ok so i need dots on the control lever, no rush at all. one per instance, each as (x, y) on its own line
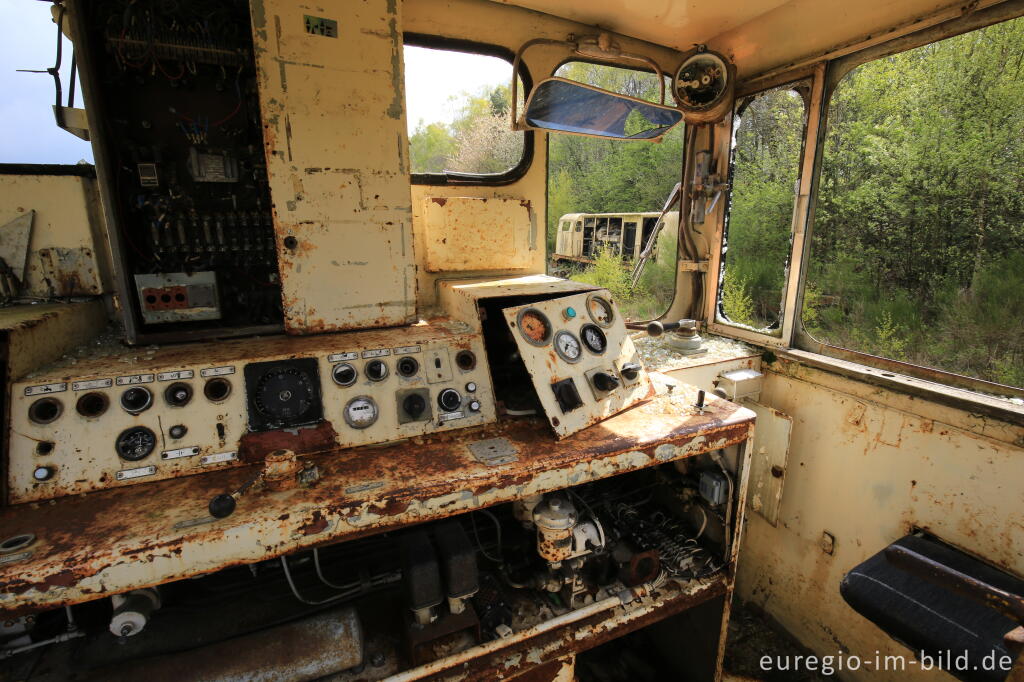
(223, 505)
(656, 329)
(630, 370)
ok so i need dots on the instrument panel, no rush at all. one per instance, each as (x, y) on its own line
(127, 419)
(581, 360)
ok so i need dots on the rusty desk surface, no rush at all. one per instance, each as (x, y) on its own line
(112, 541)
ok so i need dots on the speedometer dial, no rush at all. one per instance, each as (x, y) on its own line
(601, 311)
(535, 326)
(568, 346)
(284, 395)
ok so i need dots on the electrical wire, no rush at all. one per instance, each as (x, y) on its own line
(476, 535)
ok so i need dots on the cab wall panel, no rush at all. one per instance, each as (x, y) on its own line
(867, 466)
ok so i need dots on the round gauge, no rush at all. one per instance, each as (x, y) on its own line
(594, 339)
(568, 346)
(535, 326)
(344, 374)
(361, 412)
(284, 394)
(135, 443)
(601, 311)
(376, 370)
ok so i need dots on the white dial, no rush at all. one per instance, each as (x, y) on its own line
(361, 412)
(567, 346)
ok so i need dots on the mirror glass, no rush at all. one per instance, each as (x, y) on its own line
(568, 107)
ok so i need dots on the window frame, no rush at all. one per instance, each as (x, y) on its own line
(812, 80)
(513, 174)
(831, 74)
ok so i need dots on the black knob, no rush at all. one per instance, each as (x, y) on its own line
(631, 370)
(449, 400)
(408, 367)
(376, 370)
(344, 374)
(414, 405)
(222, 506)
(605, 381)
(700, 399)
(177, 431)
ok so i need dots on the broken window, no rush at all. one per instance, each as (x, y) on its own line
(767, 140)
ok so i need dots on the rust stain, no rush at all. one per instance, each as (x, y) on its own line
(317, 524)
(360, 492)
(440, 201)
(255, 446)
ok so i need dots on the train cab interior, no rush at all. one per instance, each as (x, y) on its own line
(301, 383)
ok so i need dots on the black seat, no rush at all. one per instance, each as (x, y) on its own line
(929, 618)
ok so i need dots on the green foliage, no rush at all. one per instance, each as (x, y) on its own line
(478, 140)
(918, 247)
(589, 175)
(736, 301)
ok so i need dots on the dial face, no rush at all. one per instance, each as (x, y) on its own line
(344, 374)
(601, 311)
(284, 395)
(135, 443)
(535, 326)
(593, 338)
(361, 412)
(568, 346)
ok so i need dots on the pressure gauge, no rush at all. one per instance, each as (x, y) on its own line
(568, 346)
(594, 339)
(135, 443)
(361, 412)
(601, 311)
(535, 326)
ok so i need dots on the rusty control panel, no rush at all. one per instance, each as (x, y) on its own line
(133, 417)
(581, 360)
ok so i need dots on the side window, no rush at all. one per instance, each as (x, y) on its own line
(607, 180)
(767, 141)
(459, 115)
(917, 252)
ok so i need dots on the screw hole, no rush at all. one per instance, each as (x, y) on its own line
(291, 243)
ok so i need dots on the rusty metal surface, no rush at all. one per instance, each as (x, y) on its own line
(82, 457)
(868, 466)
(477, 233)
(337, 150)
(66, 233)
(41, 334)
(307, 649)
(115, 540)
(521, 657)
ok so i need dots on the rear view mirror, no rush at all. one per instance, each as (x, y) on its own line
(566, 106)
